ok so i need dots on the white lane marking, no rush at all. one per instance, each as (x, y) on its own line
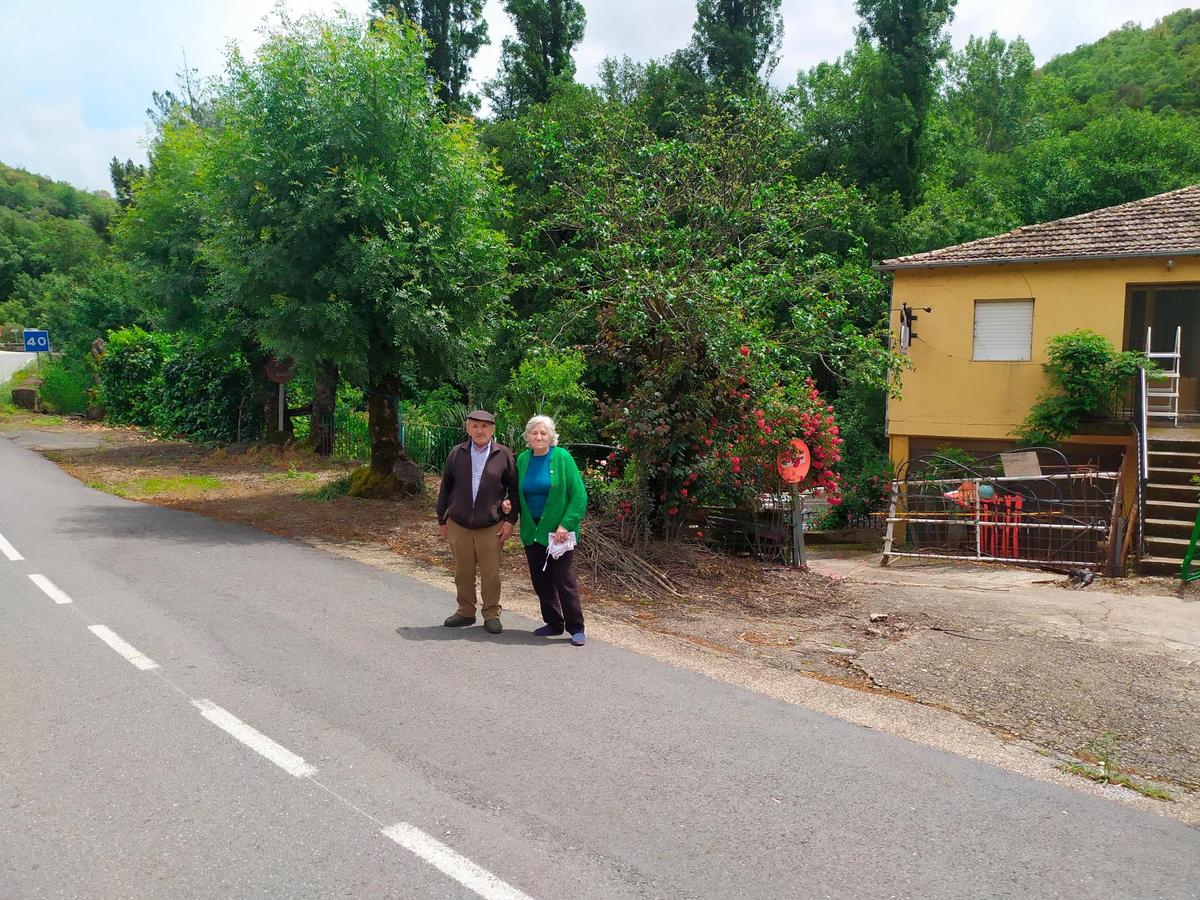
(9, 550)
(255, 740)
(128, 651)
(50, 589)
(452, 864)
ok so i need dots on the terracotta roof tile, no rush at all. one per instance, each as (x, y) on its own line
(1166, 224)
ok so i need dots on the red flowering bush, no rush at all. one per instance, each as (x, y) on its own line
(704, 435)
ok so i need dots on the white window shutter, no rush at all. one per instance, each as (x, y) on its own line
(1003, 330)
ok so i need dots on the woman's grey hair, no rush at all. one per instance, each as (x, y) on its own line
(548, 423)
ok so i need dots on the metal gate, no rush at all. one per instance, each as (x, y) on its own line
(1028, 507)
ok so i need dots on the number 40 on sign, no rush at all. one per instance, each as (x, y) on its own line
(37, 341)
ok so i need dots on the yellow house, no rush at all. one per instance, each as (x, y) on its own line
(985, 311)
(976, 360)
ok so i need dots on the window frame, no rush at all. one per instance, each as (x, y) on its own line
(975, 344)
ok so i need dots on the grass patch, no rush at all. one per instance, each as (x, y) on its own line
(13, 417)
(149, 487)
(1103, 752)
(339, 487)
(1101, 777)
(19, 378)
(115, 489)
(292, 474)
(155, 486)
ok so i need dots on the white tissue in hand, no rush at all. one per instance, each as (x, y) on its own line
(559, 546)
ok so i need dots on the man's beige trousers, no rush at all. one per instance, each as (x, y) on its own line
(476, 548)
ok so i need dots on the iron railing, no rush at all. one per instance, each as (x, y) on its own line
(943, 508)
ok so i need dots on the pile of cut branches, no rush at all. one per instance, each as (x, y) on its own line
(607, 558)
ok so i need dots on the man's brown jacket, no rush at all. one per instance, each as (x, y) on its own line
(499, 483)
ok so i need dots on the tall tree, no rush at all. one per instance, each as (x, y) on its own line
(455, 30)
(738, 39)
(547, 32)
(358, 223)
(124, 175)
(911, 39)
(987, 90)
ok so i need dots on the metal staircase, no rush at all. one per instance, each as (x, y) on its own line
(1171, 503)
(1162, 402)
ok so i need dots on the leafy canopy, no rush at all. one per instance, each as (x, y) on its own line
(348, 216)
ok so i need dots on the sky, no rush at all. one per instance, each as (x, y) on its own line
(75, 85)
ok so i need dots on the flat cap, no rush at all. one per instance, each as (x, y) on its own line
(481, 415)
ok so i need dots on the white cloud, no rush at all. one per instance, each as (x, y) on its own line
(52, 139)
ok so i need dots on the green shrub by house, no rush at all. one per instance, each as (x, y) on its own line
(1088, 378)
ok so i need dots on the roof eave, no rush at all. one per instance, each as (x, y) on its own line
(887, 265)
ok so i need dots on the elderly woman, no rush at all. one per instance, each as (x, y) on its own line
(553, 500)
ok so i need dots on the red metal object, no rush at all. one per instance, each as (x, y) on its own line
(794, 464)
(1000, 521)
(280, 371)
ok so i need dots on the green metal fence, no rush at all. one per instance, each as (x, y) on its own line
(429, 445)
(351, 437)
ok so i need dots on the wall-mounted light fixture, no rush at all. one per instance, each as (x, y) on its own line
(1170, 264)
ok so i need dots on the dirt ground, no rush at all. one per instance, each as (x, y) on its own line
(1073, 674)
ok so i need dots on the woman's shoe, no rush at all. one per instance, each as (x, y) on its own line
(547, 631)
(577, 639)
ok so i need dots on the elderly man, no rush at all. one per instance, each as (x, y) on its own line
(480, 475)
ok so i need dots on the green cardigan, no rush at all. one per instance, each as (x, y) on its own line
(565, 504)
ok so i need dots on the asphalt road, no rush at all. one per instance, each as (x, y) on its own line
(194, 709)
(11, 362)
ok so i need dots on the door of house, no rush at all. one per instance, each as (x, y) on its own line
(1164, 308)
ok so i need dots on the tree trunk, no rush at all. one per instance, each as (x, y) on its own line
(383, 425)
(325, 383)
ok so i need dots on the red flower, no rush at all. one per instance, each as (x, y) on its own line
(744, 350)
(683, 492)
(673, 511)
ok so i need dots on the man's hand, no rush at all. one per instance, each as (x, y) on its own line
(506, 530)
(506, 506)
(444, 532)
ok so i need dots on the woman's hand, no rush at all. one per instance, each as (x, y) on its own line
(506, 506)
(559, 535)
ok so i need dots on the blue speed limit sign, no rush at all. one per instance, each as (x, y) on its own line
(37, 341)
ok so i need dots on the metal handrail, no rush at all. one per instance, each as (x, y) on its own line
(1185, 573)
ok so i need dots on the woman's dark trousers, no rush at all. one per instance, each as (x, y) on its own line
(556, 588)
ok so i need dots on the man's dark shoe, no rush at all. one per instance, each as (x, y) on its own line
(492, 626)
(457, 621)
(548, 631)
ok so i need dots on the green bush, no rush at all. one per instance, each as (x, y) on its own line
(548, 383)
(442, 407)
(1088, 378)
(177, 387)
(65, 383)
(131, 374)
(207, 397)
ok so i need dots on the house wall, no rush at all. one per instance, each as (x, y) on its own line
(948, 395)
